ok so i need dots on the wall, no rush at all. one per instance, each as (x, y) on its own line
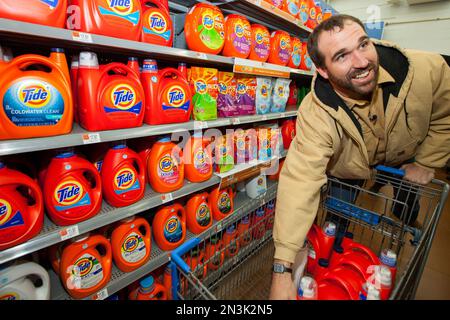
(402, 21)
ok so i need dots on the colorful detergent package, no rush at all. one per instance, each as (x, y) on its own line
(280, 95)
(226, 101)
(246, 94)
(204, 82)
(263, 95)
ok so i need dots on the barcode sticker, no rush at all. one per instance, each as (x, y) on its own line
(166, 197)
(219, 227)
(101, 295)
(198, 125)
(69, 232)
(202, 55)
(283, 115)
(264, 118)
(82, 37)
(91, 138)
(236, 121)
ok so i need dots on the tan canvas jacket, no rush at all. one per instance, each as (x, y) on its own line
(329, 140)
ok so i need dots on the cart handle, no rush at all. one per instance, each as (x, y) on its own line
(181, 250)
(395, 171)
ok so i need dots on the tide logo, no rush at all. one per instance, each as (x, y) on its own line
(124, 179)
(200, 157)
(157, 22)
(239, 30)
(82, 267)
(241, 88)
(123, 97)
(208, 22)
(34, 94)
(200, 86)
(222, 88)
(283, 43)
(68, 193)
(259, 37)
(312, 13)
(264, 91)
(203, 211)
(121, 7)
(9, 296)
(260, 182)
(296, 49)
(172, 225)
(5, 211)
(166, 164)
(176, 96)
(131, 243)
(280, 91)
(319, 17)
(224, 199)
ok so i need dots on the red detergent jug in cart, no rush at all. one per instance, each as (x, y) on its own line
(131, 244)
(72, 189)
(198, 213)
(109, 96)
(47, 12)
(25, 90)
(84, 268)
(389, 259)
(221, 202)
(123, 176)
(198, 166)
(288, 132)
(215, 255)
(355, 252)
(320, 244)
(169, 226)
(334, 287)
(157, 25)
(113, 18)
(167, 94)
(149, 289)
(20, 219)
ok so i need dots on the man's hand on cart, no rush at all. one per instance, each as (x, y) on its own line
(282, 287)
(417, 174)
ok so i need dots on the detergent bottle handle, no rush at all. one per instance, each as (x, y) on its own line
(43, 292)
(146, 226)
(354, 246)
(172, 71)
(180, 211)
(100, 240)
(344, 284)
(161, 4)
(159, 288)
(119, 68)
(98, 181)
(22, 270)
(37, 195)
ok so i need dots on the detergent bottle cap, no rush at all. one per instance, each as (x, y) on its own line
(75, 62)
(388, 258)
(324, 263)
(133, 59)
(147, 282)
(164, 139)
(119, 147)
(57, 50)
(330, 228)
(64, 155)
(308, 288)
(88, 59)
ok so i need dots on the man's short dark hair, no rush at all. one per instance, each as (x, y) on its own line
(336, 21)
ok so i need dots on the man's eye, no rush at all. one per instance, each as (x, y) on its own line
(364, 44)
(340, 57)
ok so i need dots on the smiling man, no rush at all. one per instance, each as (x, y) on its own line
(371, 103)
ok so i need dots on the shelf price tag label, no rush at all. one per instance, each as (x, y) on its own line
(82, 37)
(236, 121)
(283, 115)
(166, 197)
(264, 118)
(202, 55)
(219, 227)
(69, 232)
(101, 295)
(91, 138)
(198, 125)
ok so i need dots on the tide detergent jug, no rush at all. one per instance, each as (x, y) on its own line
(16, 284)
(334, 287)
(291, 7)
(280, 48)
(198, 213)
(205, 29)
(123, 176)
(157, 25)
(312, 17)
(306, 62)
(47, 12)
(288, 132)
(72, 189)
(74, 64)
(113, 18)
(165, 166)
(320, 244)
(197, 159)
(131, 244)
(169, 226)
(167, 94)
(303, 12)
(21, 213)
(260, 44)
(221, 202)
(86, 265)
(238, 37)
(35, 103)
(149, 289)
(296, 54)
(109, 96)
(215, 255)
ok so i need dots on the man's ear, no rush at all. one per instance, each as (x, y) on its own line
(323, 72)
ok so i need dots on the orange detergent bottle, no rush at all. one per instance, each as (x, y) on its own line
(259, 223)
(280, 48)
(167, 94)
(303, 13)
(221, 202)
(131, 244)
(296, 55)
(157, 25)
(238, 37)
(47, 12)
(196, 261)
(306, 62)
(215, 254)
(123, 176)
(291, 7)
(197, 159)
(260, 45)
(86, 265)
(148, 289)
(231, 242)
(198, 213)
(167, 281)
(245, 235)
(21, 208)
(312, 18)
(165, 167)
(72, 189)
(74, 85)
(36, 102)
(169, 226)
(205, 29)
(109, 96)
(113, 18)
(319, 14)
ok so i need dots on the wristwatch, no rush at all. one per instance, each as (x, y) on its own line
(281, 268)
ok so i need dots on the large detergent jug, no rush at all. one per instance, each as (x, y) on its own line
(47, 12)
(21, 213)
(205, 28)
(72, 189)
(16, 284)
(260, 44)
(215, 254)
(296, 54)
(197, 159)
(280, 48)
(35, 103)
(198, 213)
(303, 12)
(165, 166)
(123, 176)
(312, 18)
(306, 62)
(109, 96)
(156, 23)
(74, 64)
(167, 94)
(291, 7)
(320, 244)
(113, 18)
(335, 287)
(169, 226)
(84, 268)
(221, 202)
(288, 132)
(149, 289)
(238, 37)
(131, 244)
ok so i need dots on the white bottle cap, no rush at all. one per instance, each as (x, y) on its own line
(388, 257)
(308, 288)
(330, 228)
(88, 59)
(383, 276)
(373, 293)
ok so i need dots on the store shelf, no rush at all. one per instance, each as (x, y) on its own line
(258, 68)
(119, 279)
(79, 136)
(52, 234)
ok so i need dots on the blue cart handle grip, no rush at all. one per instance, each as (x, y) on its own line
(181, 250)
(398, 172)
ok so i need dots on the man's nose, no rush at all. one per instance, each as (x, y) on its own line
(359, 61)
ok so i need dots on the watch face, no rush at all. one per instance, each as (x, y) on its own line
(278, 268)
